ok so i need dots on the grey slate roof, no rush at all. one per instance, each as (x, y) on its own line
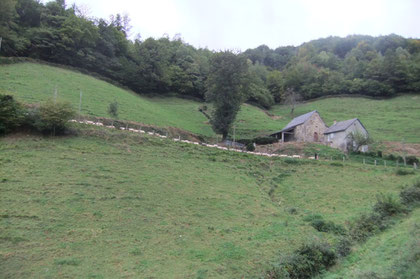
(298, 121)
(341, 126)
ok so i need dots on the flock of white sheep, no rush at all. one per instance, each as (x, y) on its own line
(188, 141)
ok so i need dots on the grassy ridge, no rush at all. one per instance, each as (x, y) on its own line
(142, 207)
(386, 120)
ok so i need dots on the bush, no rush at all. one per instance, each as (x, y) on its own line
(318, 222)
(379, 153)
(365, 226)
(404, 172)
(391, 157)
(411, 194)
(113, 109)
(53, 117)
(265, 140)
(250, 146)
(11, 114)
(307, 261)
(411, 160)
(387, 205)
(343, 247)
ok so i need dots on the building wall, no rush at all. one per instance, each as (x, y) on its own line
(341, 139)
(306, 131)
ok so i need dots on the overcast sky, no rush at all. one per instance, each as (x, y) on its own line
(243, 24)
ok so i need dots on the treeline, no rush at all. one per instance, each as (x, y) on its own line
(374, 66)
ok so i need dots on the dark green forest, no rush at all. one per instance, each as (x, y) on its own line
(375, 66)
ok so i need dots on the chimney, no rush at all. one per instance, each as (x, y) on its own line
(335, 122)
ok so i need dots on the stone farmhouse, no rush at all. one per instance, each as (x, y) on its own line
(308, 127)
(339, 134)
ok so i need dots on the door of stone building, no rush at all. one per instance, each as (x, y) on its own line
(315, 136)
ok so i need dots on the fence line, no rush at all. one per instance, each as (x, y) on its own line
(100, 124)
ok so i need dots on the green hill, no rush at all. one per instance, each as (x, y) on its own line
(393, 254)
(109, 204)
(32, 83)
(386, 120)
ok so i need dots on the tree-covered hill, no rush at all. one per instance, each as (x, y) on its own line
(376, 66)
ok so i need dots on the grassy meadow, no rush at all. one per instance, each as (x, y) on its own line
(395, 119)
(386, 120)
(111, 204)
(34, 83)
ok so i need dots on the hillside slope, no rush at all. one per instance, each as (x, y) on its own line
(136, 206)
(33, 83)
(392, 254)
(386, 120)
(395, 119)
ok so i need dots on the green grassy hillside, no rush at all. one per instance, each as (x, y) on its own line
(386, 120)
(394, 119)
(392, 254)
(110, 204)
(32, 83)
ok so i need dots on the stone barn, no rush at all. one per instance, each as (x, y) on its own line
(339, 134)
(308, 127)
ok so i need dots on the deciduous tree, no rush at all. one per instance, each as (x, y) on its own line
(226, 84)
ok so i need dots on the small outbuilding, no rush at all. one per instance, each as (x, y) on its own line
(308, 127)
(339, 134)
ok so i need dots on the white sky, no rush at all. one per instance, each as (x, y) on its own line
(243, 24)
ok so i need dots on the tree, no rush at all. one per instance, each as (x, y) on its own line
(11, 114)
(358, 139)
(225, 87)
(54, 117)
(113, 110)
(292, 99)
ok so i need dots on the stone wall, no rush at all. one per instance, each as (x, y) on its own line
(312, 130)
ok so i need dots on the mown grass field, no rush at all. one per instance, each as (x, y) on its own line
(34, 83)
(396, 119)
(109, 204)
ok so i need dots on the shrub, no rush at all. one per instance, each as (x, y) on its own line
(250, 146)
(245, 141)
(387, 205)
(113, 109)
(411, 160)
(411, 194)
(404, 172)
(328, 226)
(307, 261)
(265, 140)
(11, 114)
(379, 153)
(318, 222)
(365, 226)
(343, 247)
(391, 157)
(53, 117)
